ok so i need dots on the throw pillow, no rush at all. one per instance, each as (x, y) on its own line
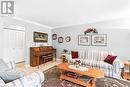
(10, 75)
(74, 54)
(110, 59)
(3, 65)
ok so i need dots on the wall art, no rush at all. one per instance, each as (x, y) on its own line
(84, 40)
(99, 40)
(40, 37)
(60, 39)
(54, 36)
(68, 39)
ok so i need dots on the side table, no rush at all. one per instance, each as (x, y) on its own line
(126, 70)
(64, 58)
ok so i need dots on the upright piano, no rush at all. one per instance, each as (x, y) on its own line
(36, 54)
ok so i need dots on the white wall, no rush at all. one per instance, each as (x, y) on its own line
(1, 38)
(30, 28)
(118, 34)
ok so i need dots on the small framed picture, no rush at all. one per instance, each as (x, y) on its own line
(99, 40)
(68, 39)
(84, 40)
(54, 36)
(60, 39)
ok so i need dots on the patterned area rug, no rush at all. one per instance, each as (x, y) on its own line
(52, 80)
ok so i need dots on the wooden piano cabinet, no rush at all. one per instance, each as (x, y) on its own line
(36, 54)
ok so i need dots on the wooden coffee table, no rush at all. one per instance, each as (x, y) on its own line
(92, 73)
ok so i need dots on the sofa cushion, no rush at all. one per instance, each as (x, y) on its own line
(74, 54)
(98, 64)
(3, 65)
(105, 65)
(110, 59)
(82, 54)
(10, 75)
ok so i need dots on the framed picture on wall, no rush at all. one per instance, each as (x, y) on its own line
(68, 39)
(99, 40)
(60, 39)
(40, 37)
(54, 36)
(84, 40)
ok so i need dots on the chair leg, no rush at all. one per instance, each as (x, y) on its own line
(44, 62)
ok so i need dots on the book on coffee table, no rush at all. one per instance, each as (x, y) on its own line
(71, 74)
(86, 78)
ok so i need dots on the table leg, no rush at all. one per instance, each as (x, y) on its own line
(61, 73)
(93, 82)
(129, 70)
(122, 72)
(55, 56)
(38, 62)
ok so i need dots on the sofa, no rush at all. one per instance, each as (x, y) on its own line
(33, 80)
(95, 59)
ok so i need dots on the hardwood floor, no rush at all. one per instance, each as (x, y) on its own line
(126, 76)
(28, 70)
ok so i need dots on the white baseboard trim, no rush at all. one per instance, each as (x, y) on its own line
(22, 61)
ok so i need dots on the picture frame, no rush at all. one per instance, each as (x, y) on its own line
(99, 40)
(60, 39)
(54, 36)
(68, 39)
(84, 40)
(40, 37)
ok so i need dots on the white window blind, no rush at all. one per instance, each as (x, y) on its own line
(14, 44)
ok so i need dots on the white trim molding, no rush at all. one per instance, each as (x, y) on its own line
(32, 22)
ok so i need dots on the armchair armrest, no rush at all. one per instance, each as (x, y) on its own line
(33, 80)
(118, 65)
(21, 82)
(40, 76)
(11, 64)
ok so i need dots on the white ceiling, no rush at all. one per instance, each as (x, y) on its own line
(57, 13)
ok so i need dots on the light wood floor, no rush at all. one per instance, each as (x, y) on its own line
(126, 75)
(43, 67)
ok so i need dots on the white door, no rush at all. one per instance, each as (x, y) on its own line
(14, 45)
